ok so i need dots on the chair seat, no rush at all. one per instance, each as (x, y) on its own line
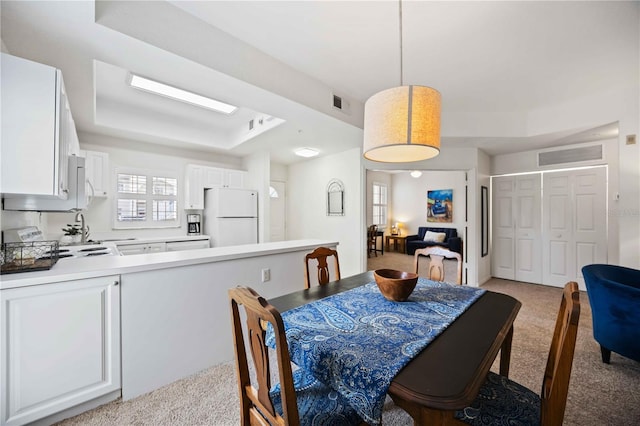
(318, 404)
(502, 402)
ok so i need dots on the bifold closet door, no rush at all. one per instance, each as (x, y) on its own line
(517, 240)
(574, 223)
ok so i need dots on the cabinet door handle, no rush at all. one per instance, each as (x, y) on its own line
(116, 282)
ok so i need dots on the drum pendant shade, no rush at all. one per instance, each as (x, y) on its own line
(402, 125)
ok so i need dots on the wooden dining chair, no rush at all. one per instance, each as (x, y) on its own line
(504, 402)
(372, 240)
(298, 399)
(436, 263)
(321, 254)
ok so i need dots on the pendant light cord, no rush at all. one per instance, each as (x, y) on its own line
(401, 65)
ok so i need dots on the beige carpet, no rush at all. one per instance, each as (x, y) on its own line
(599, 394)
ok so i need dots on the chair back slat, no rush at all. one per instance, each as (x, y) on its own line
(255, 405)
(321, 254)
(436, 264)
(555, 385)
(372, 240)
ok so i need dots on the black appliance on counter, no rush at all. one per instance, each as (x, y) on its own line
(193, 224)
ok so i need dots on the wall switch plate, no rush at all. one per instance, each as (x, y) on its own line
(631, 139)
(266, 275)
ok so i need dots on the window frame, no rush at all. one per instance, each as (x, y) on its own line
(384, 206)
(148, 197)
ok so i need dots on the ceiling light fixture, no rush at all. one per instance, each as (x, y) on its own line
(306, 152)
(162, 89)
(402, 124)
(416, 174)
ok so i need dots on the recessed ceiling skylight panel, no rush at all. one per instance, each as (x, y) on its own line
(181, 95)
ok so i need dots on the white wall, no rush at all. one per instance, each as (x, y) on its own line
(483, 173)
(126, 153)
(307, 206)
(279, 172)
(409, 199)
(450, 158)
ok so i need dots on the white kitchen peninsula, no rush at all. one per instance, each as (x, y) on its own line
(175, 318)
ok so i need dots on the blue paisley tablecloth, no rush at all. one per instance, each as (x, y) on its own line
(357, 341)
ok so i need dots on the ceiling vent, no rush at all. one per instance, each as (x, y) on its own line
(573, 155)
(340, 104)
(337, 102)
(250, 125)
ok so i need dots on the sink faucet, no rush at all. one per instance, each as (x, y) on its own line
(83, 230)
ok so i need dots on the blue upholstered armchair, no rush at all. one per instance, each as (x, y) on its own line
(614, 295)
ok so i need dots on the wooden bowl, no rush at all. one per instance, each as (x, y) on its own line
(395, 285)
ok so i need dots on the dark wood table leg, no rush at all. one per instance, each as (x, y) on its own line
(505, 353)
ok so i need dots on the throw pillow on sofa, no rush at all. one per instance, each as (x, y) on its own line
(435, 237)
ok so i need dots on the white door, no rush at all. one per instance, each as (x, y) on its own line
(528, 238)
(502, 258)
(575, 223)
(516, 238)
(278, 211)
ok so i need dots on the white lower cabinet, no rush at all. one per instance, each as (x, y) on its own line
(144, 248)
(60, 347)
(187, 245)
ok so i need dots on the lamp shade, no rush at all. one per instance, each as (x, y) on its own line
(402, 125)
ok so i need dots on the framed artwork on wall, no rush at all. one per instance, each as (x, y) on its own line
(440, 206)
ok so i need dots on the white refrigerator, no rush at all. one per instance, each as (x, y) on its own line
(231, 216)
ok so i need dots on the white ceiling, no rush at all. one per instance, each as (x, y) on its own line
(500, 58)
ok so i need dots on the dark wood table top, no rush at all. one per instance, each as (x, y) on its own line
(448, 373)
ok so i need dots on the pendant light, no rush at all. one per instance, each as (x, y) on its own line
(402, 124)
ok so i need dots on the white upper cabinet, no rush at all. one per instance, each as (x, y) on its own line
(201, 177)
(234, 179)
(38, 131)
(97, 169)
(194, 187)
(213, 177)
(223, 178)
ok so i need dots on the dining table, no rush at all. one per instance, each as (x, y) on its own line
(445, 375)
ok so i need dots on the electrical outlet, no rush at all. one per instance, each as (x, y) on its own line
(266, 275)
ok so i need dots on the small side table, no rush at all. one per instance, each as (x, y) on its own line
(399, 243)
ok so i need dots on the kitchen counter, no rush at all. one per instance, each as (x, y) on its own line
(153, 319)
(113, 265)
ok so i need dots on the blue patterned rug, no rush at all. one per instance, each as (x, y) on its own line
(357, 341)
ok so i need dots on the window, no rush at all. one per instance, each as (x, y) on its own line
(379, 204)
(146, 199)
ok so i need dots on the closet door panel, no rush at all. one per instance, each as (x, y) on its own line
(574, 223)
(528, 267)
(503, 231)
(590, 234)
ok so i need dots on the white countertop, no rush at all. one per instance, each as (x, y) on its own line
(89, 267)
